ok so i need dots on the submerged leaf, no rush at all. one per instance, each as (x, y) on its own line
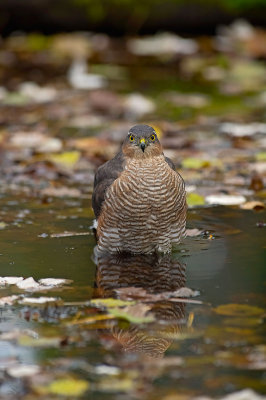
(238, 310)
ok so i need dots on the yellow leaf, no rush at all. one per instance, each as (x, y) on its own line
(67, 387)
(67, 159)
(197, 163)
(261, 156)
(110, 303)
(238, 310)
(195, 199)
(90, 320)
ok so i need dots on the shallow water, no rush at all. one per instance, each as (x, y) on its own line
(189, 348)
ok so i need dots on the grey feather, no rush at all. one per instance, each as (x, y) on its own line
(104, 177)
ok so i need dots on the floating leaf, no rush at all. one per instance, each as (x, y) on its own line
(111, 303)
(225, 199)
(40, 300)
(135, 314)
(195, 199)
(10, 280)
(66, 387)
(68, 234)
(90, 320)
(54, 281)
(29, 341)
(23, 371)
(238, 310)
(193, 232)
(8, 300)
(253, 205)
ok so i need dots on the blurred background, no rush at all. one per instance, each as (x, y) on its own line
(123, 17)
(75, 75)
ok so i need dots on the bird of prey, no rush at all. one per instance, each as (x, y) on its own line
(139, 199)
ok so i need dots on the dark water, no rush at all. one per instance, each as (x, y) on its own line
(188, 349)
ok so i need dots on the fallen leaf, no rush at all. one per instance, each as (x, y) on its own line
(8, 300)
(110, 303)
(10, 280)
(137, 314)
(238, 310)
(90, 320)
(62, 191)
(23, 371)
(136, 105)
(68, 234)
(253, 205)
(195, 199)
(225, 199)
(193, 232)
(65, 387)
(67, 159)
(3, 225)
(38, 300)
(262, 155)
(28, 284)
(116, 384)
(195, 163)
(54, 281)
(36, 341)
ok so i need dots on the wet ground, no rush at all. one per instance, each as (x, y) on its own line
(172, 327)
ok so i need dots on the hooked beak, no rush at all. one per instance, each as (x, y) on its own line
(142, 144)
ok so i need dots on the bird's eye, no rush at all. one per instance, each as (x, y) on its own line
(152, 138)
(131, 138)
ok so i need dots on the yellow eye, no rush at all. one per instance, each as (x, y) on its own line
(131, 138)
(152, 138)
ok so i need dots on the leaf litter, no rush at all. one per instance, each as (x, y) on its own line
(53, 138)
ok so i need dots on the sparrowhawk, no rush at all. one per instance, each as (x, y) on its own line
(139, 199)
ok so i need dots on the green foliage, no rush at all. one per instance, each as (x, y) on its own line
(98, 10)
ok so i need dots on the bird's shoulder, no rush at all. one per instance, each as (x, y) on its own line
(104, 178)
(170, 162)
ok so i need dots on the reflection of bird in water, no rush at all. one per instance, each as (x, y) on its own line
(139, 199)
(155, 275)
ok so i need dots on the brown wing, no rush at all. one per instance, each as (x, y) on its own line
(104, 177)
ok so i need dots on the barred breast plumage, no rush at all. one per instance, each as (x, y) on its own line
(144, 209)
(139, 198)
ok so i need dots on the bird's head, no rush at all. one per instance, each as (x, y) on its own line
(141, 142)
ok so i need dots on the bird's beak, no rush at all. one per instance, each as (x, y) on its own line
(142, 144)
